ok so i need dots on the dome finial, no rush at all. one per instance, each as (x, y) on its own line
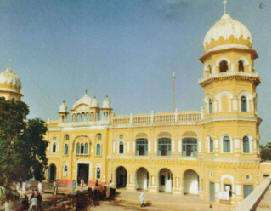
(225, 4)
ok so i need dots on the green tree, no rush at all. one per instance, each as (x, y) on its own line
(22, 148)
(265, 151)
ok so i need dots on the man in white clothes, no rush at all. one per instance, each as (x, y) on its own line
(141, 199)
(40, 187)
(34, 204)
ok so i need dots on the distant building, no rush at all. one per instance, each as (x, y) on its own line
(205, 152)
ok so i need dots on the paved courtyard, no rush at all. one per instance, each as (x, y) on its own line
(128, 200)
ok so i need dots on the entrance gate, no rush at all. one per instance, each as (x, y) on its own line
(82, 173)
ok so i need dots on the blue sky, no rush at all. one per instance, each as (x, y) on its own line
(124, 49)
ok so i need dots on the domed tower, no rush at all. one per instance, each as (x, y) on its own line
(229, 82)
(94, 107)
(10, 85)
(63, 111)
(106, 109)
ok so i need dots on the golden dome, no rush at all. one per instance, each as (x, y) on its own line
(8, 77)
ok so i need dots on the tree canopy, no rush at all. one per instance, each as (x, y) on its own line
(265, 151)
(22, 148)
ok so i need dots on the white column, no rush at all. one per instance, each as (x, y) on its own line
(180, 146)
(128, 145)
(199, 146)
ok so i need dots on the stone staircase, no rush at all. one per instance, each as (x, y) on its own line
(265, 203)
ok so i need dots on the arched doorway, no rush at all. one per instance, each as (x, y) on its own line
(191, 182)
(142, 179)
(121, 177)
(165, 180)
(52, 172)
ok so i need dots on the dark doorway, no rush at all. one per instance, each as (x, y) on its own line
(121, 177)
(52, 172)
(82, 173)
(212, 191)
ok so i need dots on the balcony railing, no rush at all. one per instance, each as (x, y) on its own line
(158, 119)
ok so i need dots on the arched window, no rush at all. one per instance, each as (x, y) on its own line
(141, 147)
(65, 170)
(98, 173)
(54, 147)
(211, 145)
(226, 144)
(223, 66)
(210, 106)
(241, 66)
(190, 147)
(246, 148)
(82, 149)
(164, 147)
(121, 147)
(77, 148)
(243, 104)
(86, 149)
(99, 136)
(66, 148)
(98, 150)
(67, 137)
(83, 116)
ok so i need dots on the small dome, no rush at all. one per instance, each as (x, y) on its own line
(94, 102)
(63, 107)
(106, 103)
(8, 77)
(83, 100)
(227, 31)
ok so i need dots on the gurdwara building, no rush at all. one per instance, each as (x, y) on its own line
(203, 152)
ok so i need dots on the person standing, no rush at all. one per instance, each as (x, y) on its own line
(141, 199)
(33, 202)
(82, 182)
(39, 200)
(40, 186)
(73, 186)
(55, 187)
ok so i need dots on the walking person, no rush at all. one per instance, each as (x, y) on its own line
(141, 199)
(33, 202)
(55, 187)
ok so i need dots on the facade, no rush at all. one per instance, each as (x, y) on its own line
(195, 152)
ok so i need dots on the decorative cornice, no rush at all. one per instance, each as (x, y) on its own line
(243, 76)
(235, 118)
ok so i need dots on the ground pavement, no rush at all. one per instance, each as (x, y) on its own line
(128, 201)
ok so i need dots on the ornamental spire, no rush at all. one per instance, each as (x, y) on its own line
(225, 5)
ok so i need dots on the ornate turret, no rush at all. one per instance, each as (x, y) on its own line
(106, 108)
(229, 69)
(10, 85)
(229, 82)
(63, 111)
